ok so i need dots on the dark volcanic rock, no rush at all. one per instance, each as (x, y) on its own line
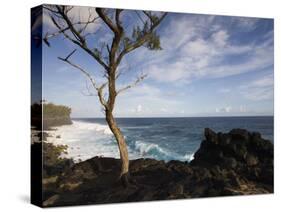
(234, 163)
(251, 160)
(239, 145)
(248, 154)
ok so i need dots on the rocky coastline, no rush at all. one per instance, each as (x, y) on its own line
(226, 164)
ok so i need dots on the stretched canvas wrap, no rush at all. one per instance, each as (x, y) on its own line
(132, 105)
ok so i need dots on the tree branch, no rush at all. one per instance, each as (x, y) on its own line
(135, 83)
(70, 25)
(117, 19)
(79, 39)
(99, 89)
(88, 90)
(118, 32)
(139, 17)
(106, 20)
(142, 40)
(86, 23)
(114, 49)
(100, 95)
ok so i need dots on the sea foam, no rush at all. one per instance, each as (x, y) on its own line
(86, 140)
(151, 150)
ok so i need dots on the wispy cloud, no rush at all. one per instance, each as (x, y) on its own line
(209, 65)
(259, 89)
(207, 54)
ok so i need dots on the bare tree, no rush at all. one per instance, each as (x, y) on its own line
(109, 55)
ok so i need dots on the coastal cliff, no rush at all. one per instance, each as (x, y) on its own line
(46, 115)
(226, 164)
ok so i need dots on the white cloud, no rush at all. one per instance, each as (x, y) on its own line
(242, 109)
(196, 48)
(226, 109)
(220, 38)
(173, 72)
(263, 82)
(142, 90)
(195, 55)
(148, 100)
(139, 109)
(245, 24)
(258, 94)
(259, 89)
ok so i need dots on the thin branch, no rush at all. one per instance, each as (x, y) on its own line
(79, 39)
(118, 32)
(87, 94)
(63, 31)
(70, 25)
(121, 70)
(66, 60)
(139, 42)
(48, 36)
(99, 89)
(88, 90)
(135, 83)
(108, 49)
(71, 53)
(86, 23)
(139, 17)
(51, 10)
(68, 9)
(101, 96)
(148, 14)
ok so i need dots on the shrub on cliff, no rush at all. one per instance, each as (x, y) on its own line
(52, 115)
(53, 160)
(51, 110)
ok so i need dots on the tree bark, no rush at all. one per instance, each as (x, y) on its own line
(124, 172)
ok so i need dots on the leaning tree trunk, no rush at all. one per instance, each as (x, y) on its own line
(124, 172)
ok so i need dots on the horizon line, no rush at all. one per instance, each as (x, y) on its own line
(230, 116)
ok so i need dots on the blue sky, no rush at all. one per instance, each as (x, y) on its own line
(209, 66)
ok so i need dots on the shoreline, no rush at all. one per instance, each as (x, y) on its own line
(226, 164)
(139, 148)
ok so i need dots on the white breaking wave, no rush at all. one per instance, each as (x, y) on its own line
(92, 126)
(86, 140)
(147, 148)
(151, 150)
(188, 157)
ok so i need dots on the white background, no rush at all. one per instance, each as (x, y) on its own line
(15, 103)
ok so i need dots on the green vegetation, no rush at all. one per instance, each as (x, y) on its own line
(52, 115)
(53, 159)
(52, 154)
(51, 110)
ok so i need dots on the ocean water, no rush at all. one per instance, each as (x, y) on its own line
(159, 138)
